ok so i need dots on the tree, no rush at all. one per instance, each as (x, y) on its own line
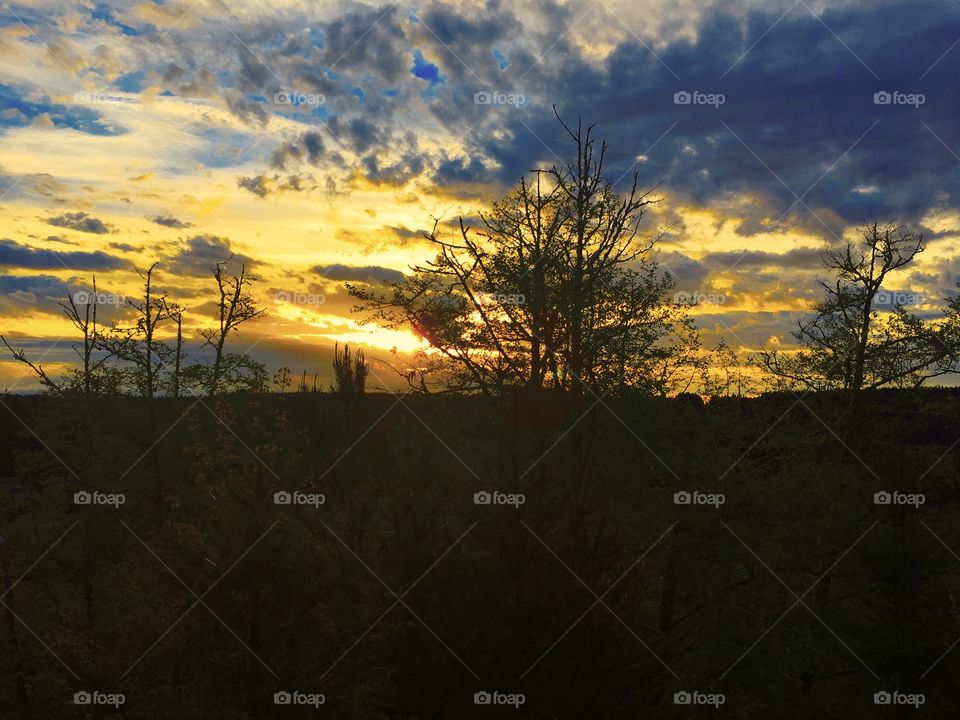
(94, 375)
(138, 344)
(552, 289)
(847, 344)
(234, 308)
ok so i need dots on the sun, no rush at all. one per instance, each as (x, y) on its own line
(383, 338)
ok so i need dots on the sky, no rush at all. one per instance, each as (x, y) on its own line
(315, 142)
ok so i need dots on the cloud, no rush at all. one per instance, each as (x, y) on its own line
(263, 185)
(199, 255)
(371, 274)
(13, 254)
(80, 221)
(308, 147)
(169, 221)
(798, 258)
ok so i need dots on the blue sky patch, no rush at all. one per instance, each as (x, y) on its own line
(426, 70)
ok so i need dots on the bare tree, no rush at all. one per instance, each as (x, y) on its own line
(93, 374)
(234, 307)
(847, 344)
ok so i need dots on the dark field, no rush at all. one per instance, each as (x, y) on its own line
(583, 590)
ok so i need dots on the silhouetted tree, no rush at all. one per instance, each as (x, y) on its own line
(553, 289)
(234, 307)
(847, 344)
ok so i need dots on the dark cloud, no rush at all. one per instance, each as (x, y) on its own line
(368, 274)
(799, 258)
(80, 221)
(13, 254)
(199, 255)
(25, 293)
(263, 185)
(308, 148)
(799, 118)
(167, 220)
(247, 109)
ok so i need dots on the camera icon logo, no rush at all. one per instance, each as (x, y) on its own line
(282, 698)
(282, 498)
(482, 698)
(882, 698)
(82, 297)
(282, 98)
(882, 98)
(82, 498)
(682, 698)
(882, 498)
(482, 498)
(682, 98)
(482, 98)
(682, 498)
(82, 698)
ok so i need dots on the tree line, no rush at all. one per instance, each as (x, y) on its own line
(555, 288)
